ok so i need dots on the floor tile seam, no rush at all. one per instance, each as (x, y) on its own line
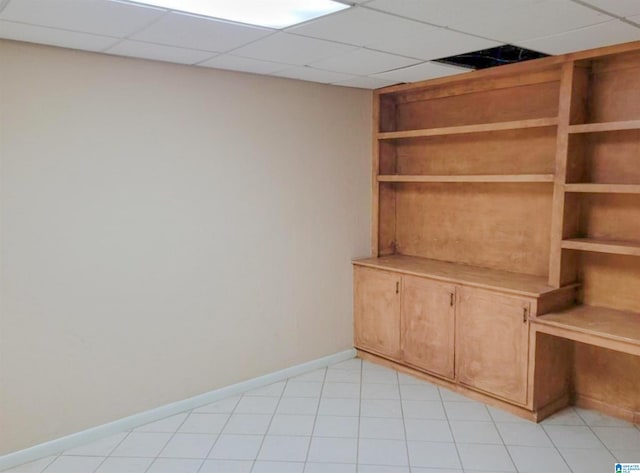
(359, 416)
(495, 426)
(446, 415)
(222, 429)
(170, 439)
(557, 449)
(315, 420)
(404, 424)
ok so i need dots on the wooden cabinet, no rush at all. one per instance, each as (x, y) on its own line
(377, 311)
(492, 343)
(428, 323)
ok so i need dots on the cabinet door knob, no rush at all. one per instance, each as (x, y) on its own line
(397, 287)
(451, 299)
(525, 312)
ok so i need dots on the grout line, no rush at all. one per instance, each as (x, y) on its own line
(594, 433)
(359, 417)
(3, 5)
(315, 419)
(495, 426)
(446, 415)
(128, 432)
(404, 424)
(55, 457)
(170, 439)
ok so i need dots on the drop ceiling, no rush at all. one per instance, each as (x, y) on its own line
(373, 44)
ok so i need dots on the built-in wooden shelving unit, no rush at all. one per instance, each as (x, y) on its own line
(603, 188)
(607, 126)
(602, 246)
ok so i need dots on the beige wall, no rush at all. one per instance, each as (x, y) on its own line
(165, 231)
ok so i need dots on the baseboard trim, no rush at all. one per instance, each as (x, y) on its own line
(61, 444)
(623, 413)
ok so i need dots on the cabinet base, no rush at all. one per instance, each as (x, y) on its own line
(587, 402)
(534, 416)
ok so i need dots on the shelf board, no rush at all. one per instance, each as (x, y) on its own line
(468, 178)
(606, 126)
(602, 246)
(608, 328)
(480, 128)
(485, 278)
(604, 188)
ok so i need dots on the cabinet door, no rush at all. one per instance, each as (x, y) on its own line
(492, 343)
(428, 323)
(377, 311)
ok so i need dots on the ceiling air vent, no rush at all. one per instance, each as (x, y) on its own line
(498, 56)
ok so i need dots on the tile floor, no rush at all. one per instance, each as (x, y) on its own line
(355, 417)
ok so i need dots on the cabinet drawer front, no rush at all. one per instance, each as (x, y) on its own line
(377, 311)
(492, 341)
(428, 325)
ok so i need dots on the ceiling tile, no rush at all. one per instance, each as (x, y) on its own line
(435, 43)
(101, 17)
(363, 62)
(617, 7)
(54, 37)
(424, 71)
(243, 64)
(448, 12)
(158, 52)
(314, 75)
(187, 31)
(534, 21)
(366, 83)
(603, 34)
(357, 26)
(292, 49)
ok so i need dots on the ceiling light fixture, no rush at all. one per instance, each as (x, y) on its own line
(268, 13)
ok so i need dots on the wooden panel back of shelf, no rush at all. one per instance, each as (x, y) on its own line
(479, 128)
(602, 246)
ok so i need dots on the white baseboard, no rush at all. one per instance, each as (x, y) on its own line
(61, 444)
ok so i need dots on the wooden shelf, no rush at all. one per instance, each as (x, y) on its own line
(504, 281)
(602, 246)
(604, 188)
(469, 178)
(480, 128)
(608, 328)
(607, 126)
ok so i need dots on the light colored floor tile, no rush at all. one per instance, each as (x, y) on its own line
(433, 455)
(625, 438)
(567, 416)
(189, 446)
(423, 410)
(381, 428)
(380, 377)
(250, 424)
(419, 392)
(475, 432)
(272, 390)
(380, 391)
(226, 466)
(256, 405)
(380, 408)
(330, 468)
(523, 434)
(343, 376)
(437, 470)
(284, 448)
(100, 448)
(538, 460)
(74, 465)
(339, 407)
(382, 452)
(224, 406)
(302, 389)
(168, 425)
(292, 425)
(125, 465)
(588, 460)
(597, 419)
(382, 469)
(316, 375)
(354, 364)
(336, 426)
(485, 457)
(200, 423)
(626, 456)
(32, 467)
(298, 405)
(278, 467)
(142, 444)
(333, 450)
(572, 436)
(408, 379)
(175, 465)
(448, 395)
(236, 447)
(428, 430)
(498, 415)
(341, 390)
(466, 411)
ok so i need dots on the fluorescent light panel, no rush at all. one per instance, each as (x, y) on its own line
(268, 13)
